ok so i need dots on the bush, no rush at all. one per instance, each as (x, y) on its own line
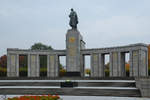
(62, 72)
(149, 71)
(107, 72)
(3, 72)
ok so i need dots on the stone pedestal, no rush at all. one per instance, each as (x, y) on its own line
(74, 44)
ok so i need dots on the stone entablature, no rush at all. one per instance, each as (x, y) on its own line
(40, 52)
(107, 50)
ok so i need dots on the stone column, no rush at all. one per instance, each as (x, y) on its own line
(131, 64)
(114, 64)
(52, 66)
(17, 65)
(135, 63)
(48, 65)
(29, 65)
(13, 65)
(143, 63)
(121, 64)
(101, 65)
(82, 66)
(57, 65)
(117, 64)
(8, 65)
(111, 64)
(34, 65)
(138, 63)
(94, 65)
(38, 65)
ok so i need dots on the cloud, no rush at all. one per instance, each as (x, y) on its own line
(112, 30)
(101, 22)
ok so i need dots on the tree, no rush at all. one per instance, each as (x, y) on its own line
(40, 46)
(3, 61)
(62, 70)
(3, 65)
(149, 55)
(88, 71)
(149, 58)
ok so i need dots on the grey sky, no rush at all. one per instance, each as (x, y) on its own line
(102, 23)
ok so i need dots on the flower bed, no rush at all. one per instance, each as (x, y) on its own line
(41, 97)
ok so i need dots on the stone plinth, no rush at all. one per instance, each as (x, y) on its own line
(74, 44)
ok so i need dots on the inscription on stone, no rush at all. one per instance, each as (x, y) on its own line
(115, 55)
(13, 62)
(95, 57)
(13, 59)
(52, 60)
(72, 51)
(135, 53)
(33, 58)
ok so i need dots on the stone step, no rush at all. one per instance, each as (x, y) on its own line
(92, 83)
(66, 78)
(109, 84)
(78, 91)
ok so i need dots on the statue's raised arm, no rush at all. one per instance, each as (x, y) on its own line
(73, 19)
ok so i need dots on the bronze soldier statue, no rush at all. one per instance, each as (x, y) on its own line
(73, 19)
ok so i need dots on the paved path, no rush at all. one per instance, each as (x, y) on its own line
(100, 98)
(90, 98)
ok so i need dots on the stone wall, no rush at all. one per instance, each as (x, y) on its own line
(143, 83)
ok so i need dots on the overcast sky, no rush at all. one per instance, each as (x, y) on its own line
(103, 23)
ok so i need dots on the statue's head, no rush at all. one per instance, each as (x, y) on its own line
(71, 9)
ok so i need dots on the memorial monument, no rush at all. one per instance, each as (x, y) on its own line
(75, 54)
(74, 44)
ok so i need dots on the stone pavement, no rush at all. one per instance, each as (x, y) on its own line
(88, 98)
(100, 98)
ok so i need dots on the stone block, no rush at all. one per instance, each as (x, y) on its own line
(143, 83)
